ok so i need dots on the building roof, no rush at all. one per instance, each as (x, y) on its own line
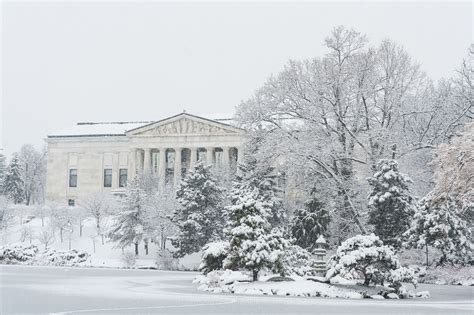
(119, 128)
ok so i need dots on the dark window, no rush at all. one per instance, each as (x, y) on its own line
(73, 177)
(122, 177)
(71, 203)
(108, 177)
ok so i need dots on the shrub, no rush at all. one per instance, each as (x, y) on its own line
(213, 256)
(17, 253)
(295, 261)
(129, 259)
(365, 256)
(166, 261)
(65, 258)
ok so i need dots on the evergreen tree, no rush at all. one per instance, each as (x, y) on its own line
(390, 203)
(3, 170)
(199, 217)
(130, 226)
(262, 176)
(439, 222)
(309, 223)
(253, 244)
(13, 183)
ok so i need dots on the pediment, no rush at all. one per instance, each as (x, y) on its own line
(184, 124)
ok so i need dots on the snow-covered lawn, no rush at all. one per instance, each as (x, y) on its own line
(237, 282)
(100, 255)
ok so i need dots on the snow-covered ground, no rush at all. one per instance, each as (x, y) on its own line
(104, 255)
(59, 290)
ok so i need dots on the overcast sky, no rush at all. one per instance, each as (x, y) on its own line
(85, 61)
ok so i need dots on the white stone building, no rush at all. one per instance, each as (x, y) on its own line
(101, 157)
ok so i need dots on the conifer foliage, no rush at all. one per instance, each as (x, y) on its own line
(199, 217)
(253, 244)
(130, 226)
(309, 223)
(390, 203)
(3, 170)
(13, 182)
(439, 222)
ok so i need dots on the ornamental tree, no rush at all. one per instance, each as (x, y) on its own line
(13, 186)
(366, 257)
(390, 202)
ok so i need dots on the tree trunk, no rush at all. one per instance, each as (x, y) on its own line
(80, 230)
(136, 249)
(61, 235)
(426, 253)
(146, 247)
(254, 274)
(102, 236)
(42, 221)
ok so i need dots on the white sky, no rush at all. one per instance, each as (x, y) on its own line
(85, 61)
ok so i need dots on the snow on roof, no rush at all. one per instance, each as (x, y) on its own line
(99, 129)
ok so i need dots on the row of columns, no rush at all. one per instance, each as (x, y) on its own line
(145, 164)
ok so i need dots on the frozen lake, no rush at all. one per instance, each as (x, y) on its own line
(51, 290)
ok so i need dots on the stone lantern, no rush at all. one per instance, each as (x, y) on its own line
(320, 253)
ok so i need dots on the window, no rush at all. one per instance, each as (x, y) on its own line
(108, 177)
(71, 203)
(73, 177)
(122, 177)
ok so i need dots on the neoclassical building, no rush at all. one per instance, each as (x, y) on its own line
(102, 157)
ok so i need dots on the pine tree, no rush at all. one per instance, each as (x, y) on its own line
(262, 176)
(309, 223)
(199, 217)
(253, 244)
(390, 203)
(439, 222)
(130, 226)
(13, 183)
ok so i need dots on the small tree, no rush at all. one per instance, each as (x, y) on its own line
(129, 225)
(366, 257)
(390, 202)
(98, 206)
(13, 183)
(213, 256)
(309, 223)
(5, 213)
(438, 222)
(26, 233)
(199, 218)
(46, 236)
(60, 218)
(253, 244)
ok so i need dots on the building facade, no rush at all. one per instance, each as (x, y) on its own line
(103, 157)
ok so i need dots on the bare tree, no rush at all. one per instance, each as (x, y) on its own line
(33, 173)
(98, 205)
(5, 213)
(60, 218)
(46, 236)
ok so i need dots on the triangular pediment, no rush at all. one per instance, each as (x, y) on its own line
(184, 124)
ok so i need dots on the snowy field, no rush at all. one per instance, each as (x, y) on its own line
(56, 290)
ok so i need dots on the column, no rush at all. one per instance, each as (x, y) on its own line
(225, 160)
(147, 160)
(240, 155)
(193, 160)
(177, 165)
(162, 167)
(209, 155)
(138, 161)
(132, 164)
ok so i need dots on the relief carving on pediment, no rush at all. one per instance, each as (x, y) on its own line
(186, 126)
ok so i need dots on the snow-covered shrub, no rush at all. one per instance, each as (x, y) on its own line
(365, 256)
(213, 256)
(165, 260)
(65, 258)
(399, 275)
(296, 260)
(17, 253)
(129, 259)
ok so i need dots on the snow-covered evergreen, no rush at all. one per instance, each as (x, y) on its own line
(199, 217)
(390, 202)
(13, 186)
(3, 170)
(129, 226)
(366, 257)
(309, 223)
(439, 223)
(254, 245)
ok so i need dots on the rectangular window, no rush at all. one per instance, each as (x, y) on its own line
(71, 203)
(73, 177)
(108, 177)
(123, 177)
